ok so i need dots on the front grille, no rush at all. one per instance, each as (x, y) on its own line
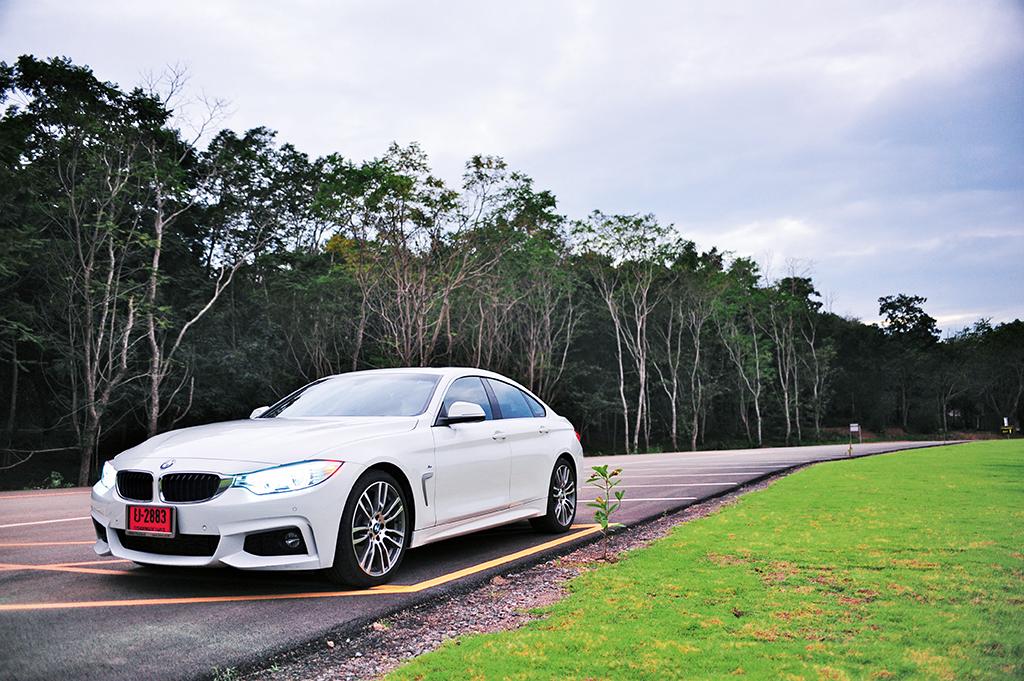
(189, 486)
(135, 485)
(182, 545)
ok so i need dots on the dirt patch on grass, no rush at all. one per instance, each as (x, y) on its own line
(507, 601)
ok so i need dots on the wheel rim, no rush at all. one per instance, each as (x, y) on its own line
(564, 492)
(378, 528)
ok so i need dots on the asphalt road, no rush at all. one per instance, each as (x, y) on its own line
(66, 613)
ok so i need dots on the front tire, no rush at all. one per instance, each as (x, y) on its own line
(561, 499)
(374, 532)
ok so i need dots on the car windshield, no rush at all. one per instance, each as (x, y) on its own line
(360, 394)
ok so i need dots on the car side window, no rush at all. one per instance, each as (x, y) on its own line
(511, 400)
(536, 407)
(467, 389)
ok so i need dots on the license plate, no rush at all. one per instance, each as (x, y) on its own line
(150, 521)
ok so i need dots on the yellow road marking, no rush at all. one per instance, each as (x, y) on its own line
(59, 568)
(91, 562)
(388, 589)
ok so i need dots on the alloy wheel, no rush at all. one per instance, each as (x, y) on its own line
(564, 491)
(378, 528)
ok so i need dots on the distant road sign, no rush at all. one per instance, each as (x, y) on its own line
(854, 427)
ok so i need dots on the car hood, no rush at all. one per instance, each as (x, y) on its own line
(238, 446)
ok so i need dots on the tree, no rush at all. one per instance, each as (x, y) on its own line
(693, 293)
(423, 252)
(85, 138)
(818, 359)
(796, 342)
(948, 375)
(633, 255)
(177, 181)
(911, 333)
(906, 319)
(739, 331)
(997, 366)
(20, 249)
(521, 315)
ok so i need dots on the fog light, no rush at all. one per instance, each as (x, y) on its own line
(287, 541)
(293, 540)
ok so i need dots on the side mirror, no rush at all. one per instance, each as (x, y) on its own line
(258, 412)
(464, 412)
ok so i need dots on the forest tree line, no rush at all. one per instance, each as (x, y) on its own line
(155, 275)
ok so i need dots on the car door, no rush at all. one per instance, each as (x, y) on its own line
(472, 459)
(532, 458)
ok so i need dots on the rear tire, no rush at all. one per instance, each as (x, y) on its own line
(374, 532)
(561, 499)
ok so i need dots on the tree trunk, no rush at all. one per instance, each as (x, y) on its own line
(155, 373)
(757, 383)
(696, 391)
(744, 415)
(622, 389)
(85, 465)
(757, 412)
(88, 444)
(796, 388)
(360, 331)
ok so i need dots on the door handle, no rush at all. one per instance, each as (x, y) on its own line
(544, 430)
(498, 435)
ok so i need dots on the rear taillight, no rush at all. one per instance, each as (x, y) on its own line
(578, 438)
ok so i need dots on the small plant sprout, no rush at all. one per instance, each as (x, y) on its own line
(605, 480)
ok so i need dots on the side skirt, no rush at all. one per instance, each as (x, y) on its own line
(534, 509)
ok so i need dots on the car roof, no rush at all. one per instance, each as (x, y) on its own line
(448, 372)
(437, 371)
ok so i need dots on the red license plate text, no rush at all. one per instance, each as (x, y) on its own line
(151, 520)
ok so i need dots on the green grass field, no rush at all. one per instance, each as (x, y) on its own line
(906, 565)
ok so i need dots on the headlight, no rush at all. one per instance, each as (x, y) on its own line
(107, 478)
(287, 478)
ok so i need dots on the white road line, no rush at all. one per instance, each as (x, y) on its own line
(584, 501)
(44, 522)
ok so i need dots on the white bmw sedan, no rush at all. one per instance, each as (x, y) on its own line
(344, 475)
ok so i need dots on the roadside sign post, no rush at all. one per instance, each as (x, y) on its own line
(854, 428)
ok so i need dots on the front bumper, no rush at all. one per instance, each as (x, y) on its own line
(231, 517)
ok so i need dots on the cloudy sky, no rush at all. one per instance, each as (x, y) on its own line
(880, 144)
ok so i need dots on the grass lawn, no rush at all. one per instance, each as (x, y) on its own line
(906, 565)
